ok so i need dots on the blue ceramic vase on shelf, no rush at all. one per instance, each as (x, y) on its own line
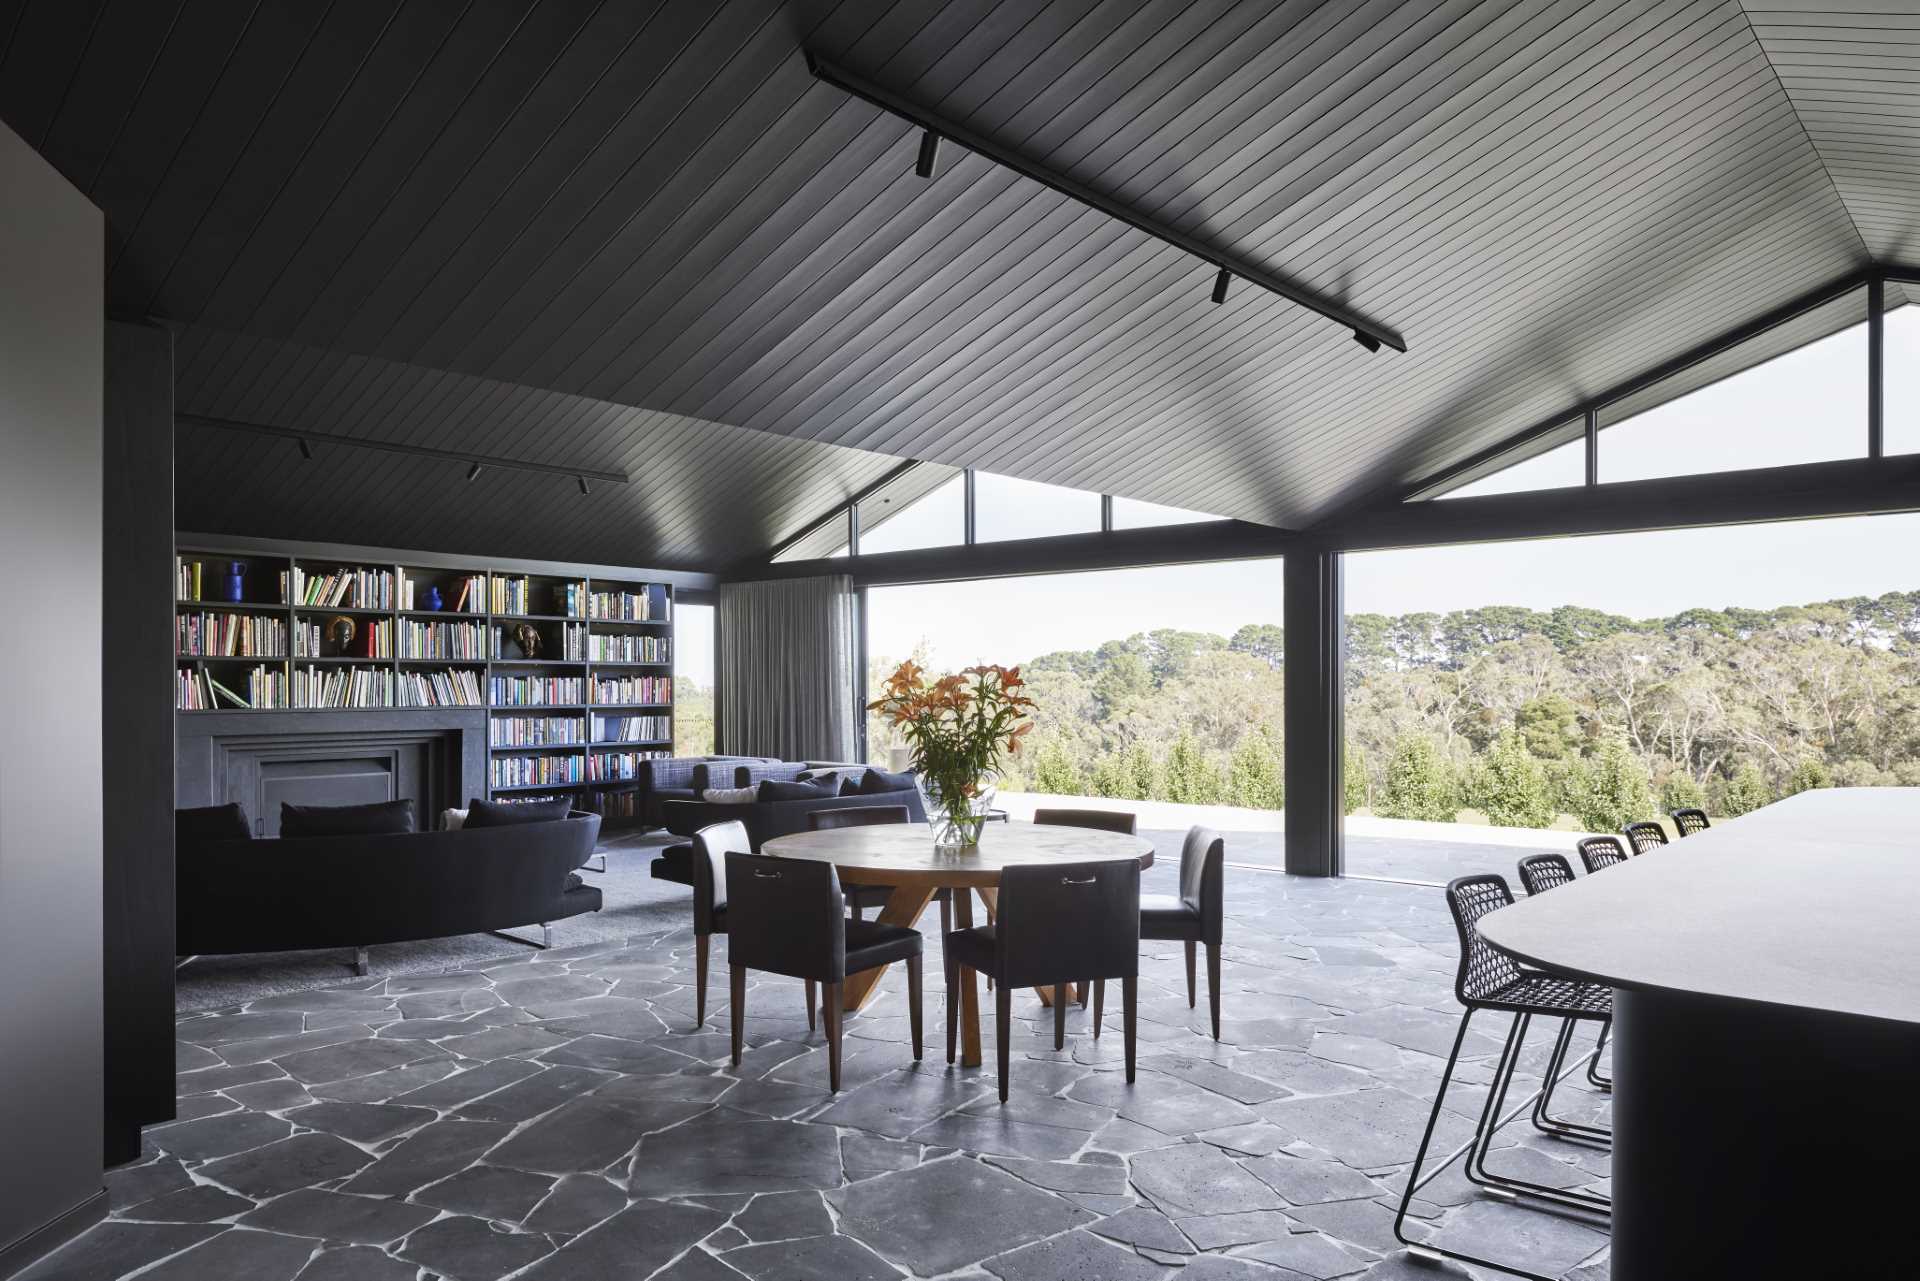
(433, 599)
(236, 580)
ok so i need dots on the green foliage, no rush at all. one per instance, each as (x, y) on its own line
(1806, 776)
(1189, 777)
(1567, 784)
(1419, 783)
(1355, 781)
(1263, 641)
(1616, 793)
(1509, 786)
(1681, 792)
(1253, 773)
(1125, 682)
(1056, 772)
(1550, 725)
(1744, 793)
(1110, 778)
(1143, 772)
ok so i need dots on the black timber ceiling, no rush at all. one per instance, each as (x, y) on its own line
(644, 231)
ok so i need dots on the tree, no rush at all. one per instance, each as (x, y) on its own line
(1510, 786)
(1123, 682)
(1616, 792)
(1111, 778)
(1681, 792)
(1253, 773)
(1055, 772)
(1355, 781)
(1550, 724)
(1143, 772)
(1567, 784)
(1263, 641)
(1189, 777)
(1744, 793)
(1806, 776)
(1419, 784)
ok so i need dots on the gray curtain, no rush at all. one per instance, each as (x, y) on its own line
(785, 676)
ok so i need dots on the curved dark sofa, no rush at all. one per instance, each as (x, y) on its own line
(354, 891)
(764, 820)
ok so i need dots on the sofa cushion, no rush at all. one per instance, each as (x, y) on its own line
(385, 818)
(212, 823)
(776, 790)
(514, 813)
(730, 795)
(875, 781)
(849, 786)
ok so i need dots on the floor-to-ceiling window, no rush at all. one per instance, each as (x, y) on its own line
(693, 664)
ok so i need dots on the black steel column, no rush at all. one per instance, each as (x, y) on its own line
(1316, 732)
(1876, 368)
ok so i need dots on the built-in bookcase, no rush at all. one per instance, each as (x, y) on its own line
(575, 673)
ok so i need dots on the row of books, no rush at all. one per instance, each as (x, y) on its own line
(534, 771)
(535, 691)
(538, 731)
(518, 596)
(454, 687)
(630, 649)
(365, 638)
(199, 691)
(649, 605)
(187, 576)
(230, 635)
(617, 765)
(466, 595)
(572, 647)
(465, 641)
(342, 687)
(343, 588)
(631, 729)
(633, 689)
(613, 802)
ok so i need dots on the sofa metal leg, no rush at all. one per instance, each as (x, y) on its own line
(544, 942)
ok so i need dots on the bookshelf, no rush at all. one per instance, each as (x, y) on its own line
(574, 673)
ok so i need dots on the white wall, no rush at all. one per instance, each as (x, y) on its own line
(51, 335)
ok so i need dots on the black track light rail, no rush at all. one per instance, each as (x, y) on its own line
(1370, 333)
(474, 462)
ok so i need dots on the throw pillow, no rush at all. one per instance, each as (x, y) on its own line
(452, 820)
(730, 795)
(212, 823)
(775, 790)
(515, 813)
(386, 818)
(849, 785)
(876, 781)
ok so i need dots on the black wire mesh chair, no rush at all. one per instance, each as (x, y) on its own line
(1687, 822)
(1489, 980)
(1645, 836)
(1601, 852)
(1540, 873)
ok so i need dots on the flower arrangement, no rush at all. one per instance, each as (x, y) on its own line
(957, 728)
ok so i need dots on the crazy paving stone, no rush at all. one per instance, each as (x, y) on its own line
(237, 1255)
(909, 1218)
(110, 1250)
(1198, 1179)
(736, 1156)
(1075, 1256)
(634, 1242)
(427, 1155)
(487, 1192)
(337, 1216)
(577, 1202)
(821, 1258)
(463, 1249)
(298, 1162)
(357, 1263)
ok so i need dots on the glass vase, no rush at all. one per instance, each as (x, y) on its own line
(956, 821)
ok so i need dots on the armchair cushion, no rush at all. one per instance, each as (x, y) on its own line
(512, 814)
(776, 790)
(878, 780)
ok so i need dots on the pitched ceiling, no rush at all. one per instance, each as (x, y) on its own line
(556, 216)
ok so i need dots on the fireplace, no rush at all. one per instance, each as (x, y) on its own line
(435, 758)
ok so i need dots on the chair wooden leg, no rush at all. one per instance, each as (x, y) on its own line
(953, 1005)
(1130, 1005)
(700, 980)
(1003, 1033)
(737, 995)
(1059, 1016)
(1213, 985)
(1099, 1004)
(830, 1009)
(1193, 996)
(854, 907)
(812, 1017)
(946, 913)
(913, 1002)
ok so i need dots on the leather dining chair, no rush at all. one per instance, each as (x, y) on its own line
(861, 897)
(1195, 916)
(1100, 820)
(1057, 923)
(787, 918)
(711, 845)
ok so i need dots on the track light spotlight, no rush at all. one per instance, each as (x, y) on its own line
(929, 154)
(584, 487)
(1366, 340)
(473, 473)
(1220, 283)
(306, 451)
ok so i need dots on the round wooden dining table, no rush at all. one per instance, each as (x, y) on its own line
(902, 857)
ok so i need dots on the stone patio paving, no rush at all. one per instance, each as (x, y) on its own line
(556, 1115)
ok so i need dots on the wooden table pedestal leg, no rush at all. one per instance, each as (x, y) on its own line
(903, 907)
(992, 899)
(969, 985)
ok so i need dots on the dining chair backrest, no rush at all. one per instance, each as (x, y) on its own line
(1203, 872)
(1060, 922)
(1645, 836)
(1483, 970)
(786, 916)
(1687, 822)
(711, 845)
(1543, 872)
(859, 816)
(1599, 852)
(1101, 820)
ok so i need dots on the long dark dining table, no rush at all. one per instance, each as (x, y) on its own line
(902, 856)
(1766, 1037)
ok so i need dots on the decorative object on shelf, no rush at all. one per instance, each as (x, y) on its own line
(433, 599)
(957, 729)
(340, 633)
(236, 581)
(527, 637)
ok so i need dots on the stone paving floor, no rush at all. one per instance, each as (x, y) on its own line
(556, 1115)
